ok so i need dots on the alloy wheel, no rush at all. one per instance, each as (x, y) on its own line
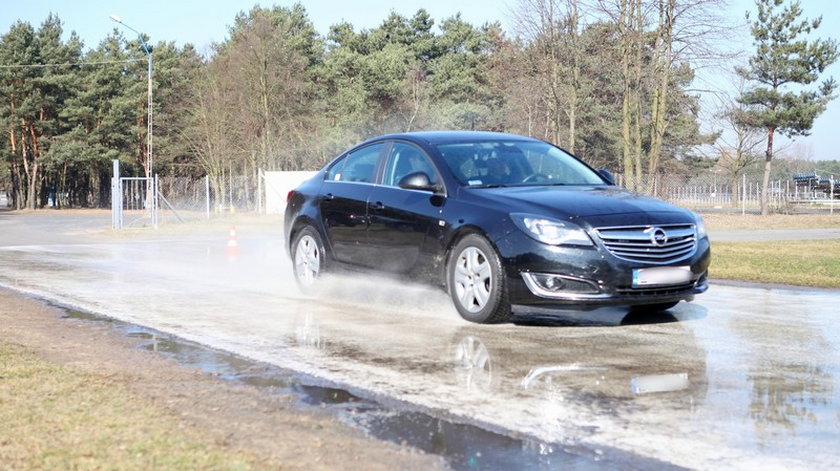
(473, 279)
(307, 260)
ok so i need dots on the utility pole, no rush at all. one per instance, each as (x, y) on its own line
(151, 199)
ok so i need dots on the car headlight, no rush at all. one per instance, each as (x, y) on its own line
(551, 231)
(700, 226)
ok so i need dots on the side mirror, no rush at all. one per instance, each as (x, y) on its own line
(418, 181)
(607, 175)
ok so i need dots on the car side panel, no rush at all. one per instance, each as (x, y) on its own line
(400, 221)
(343, 208)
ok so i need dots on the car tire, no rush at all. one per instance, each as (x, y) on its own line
(476, 281)
(309, 260)
(652, 308)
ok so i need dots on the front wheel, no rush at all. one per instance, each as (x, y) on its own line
(309, 259)
(476, 282)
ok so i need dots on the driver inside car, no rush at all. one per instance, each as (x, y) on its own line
(497, 171)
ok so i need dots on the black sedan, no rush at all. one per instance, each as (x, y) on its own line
(499, 220)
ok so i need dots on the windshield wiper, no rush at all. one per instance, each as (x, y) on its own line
(490, 185)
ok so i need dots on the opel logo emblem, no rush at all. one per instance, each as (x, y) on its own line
(658, 237)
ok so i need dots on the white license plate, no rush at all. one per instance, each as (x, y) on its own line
(661, 276)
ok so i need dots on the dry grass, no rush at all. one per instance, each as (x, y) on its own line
(729, 222)
(59, 418)
(805, 263)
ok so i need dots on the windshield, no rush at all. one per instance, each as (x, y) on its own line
(511, 163)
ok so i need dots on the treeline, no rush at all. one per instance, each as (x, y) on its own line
(609, 84)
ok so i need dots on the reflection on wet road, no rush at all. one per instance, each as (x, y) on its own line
(741, 378)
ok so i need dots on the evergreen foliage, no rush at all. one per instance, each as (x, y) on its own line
(785, 58)
(277, 95)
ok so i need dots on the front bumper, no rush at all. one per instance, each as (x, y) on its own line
(544, 275)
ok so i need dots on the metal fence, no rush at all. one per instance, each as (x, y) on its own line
(710, 192)
(183, 199)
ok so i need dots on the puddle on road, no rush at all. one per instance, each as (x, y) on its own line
(463, 446)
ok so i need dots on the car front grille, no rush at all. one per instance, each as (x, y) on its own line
(650, 244)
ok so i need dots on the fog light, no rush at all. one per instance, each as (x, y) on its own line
(549, 282)
(548, 285)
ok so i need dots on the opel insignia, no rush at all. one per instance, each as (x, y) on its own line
(500, 221)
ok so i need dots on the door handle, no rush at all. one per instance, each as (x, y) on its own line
(378, 206)
(329, 197)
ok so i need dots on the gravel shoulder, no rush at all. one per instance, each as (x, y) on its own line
(236, 417)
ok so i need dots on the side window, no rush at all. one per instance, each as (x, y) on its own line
(405, 159)
(335, 170)
(358, 166)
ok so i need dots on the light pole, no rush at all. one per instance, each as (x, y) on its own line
(149, 161)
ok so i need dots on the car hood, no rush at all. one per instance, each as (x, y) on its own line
(589, 203)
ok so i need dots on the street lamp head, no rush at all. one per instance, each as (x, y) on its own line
(116, 18)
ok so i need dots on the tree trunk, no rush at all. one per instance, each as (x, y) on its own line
(626, 115)
(735, 190)
(768, 162)
(638, 25)
(574, 19)
(663, 57)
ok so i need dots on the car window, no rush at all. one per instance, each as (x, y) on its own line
(357, 166)
(404, 159)
(488, 163)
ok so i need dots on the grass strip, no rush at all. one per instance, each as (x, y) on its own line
(57, 417)
(813, 263)
(738, 222)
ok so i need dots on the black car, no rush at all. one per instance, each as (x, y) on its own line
(498, 220)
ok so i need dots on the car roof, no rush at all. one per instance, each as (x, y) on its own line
(451, 137)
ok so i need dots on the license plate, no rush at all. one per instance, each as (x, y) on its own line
(661, 276)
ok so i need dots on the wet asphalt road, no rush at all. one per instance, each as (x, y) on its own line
(742, 378)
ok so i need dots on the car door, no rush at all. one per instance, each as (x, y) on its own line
(344, 200)
(400, 219)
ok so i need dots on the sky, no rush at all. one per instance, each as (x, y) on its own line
(204, 22)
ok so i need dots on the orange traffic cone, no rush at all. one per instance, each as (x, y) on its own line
(232, 245)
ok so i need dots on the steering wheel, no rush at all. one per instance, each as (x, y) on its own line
(534, 177)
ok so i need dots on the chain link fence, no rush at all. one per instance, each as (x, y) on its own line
(188, 199)
(185, 199)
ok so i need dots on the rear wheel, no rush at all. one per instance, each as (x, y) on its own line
(309, 259)
(476, 282)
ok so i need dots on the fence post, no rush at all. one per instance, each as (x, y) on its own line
(259, 190)
(155, 201)
(207, 194)
(116, 197)
(744, 196)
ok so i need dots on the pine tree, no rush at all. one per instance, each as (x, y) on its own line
(784, 58)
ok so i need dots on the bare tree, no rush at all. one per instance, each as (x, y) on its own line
(553, 28)
(656, 38)
(209, 136)
(738, 148)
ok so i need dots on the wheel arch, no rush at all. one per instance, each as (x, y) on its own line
(298, 225)
(452, 241)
